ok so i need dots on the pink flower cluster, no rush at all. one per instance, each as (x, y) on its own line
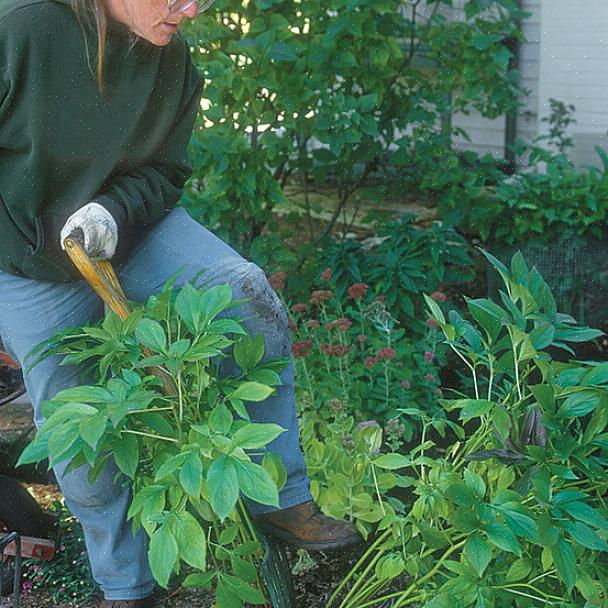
(320, 295)
(341, 324)
(337, 350)
(301, 349)
(277, 280)
(357, 291)
(384, 353)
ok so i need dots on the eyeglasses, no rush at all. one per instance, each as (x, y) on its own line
(181, 6)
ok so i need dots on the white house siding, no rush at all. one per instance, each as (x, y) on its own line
(574, 69)
(489, 135)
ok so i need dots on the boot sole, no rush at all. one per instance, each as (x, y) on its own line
(310, 545)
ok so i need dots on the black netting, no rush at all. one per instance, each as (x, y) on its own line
(575, 268)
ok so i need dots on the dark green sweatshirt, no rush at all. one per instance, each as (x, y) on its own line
(63, 144)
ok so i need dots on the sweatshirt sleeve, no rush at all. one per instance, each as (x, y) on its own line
(143, 195)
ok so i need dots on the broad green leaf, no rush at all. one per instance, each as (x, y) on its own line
(84, 394)
(191, 540)
(459, 493)
(201, 581)
(126, 454)
(501, 536)
(519, 569)
(151, 334)
(253, 436)
(92, 428)
(478, 553)
(162, 555)
(171, 465)
(585, 513)
(579, 404)
(223, 486)
(244, 591)
(392, 461)
(565, 562)
(248, 352)
(521, 524)
(275, 466)
(251, 391)
(584, 535)
(35, 451)
(191, 475)
(189, 307)
(488, 314)
(473, 408)
(220, 419)
(215, 300)
(256, 483)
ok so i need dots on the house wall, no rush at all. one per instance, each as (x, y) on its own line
(574, 69)
(489, 135)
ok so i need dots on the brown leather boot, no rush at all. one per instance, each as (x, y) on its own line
(147, 602)
(305, 527)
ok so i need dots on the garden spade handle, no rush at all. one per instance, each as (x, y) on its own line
(100, 275)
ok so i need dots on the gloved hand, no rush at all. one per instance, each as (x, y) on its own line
(98, 227)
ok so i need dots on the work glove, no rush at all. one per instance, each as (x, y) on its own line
(98, 227)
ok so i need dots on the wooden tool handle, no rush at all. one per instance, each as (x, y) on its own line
(100, 275)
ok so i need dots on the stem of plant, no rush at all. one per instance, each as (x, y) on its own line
(431, 573)
(356, 567)
(161, 437)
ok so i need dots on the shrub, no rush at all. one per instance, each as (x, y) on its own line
(512, 512)
(333, 92)
(177, 429)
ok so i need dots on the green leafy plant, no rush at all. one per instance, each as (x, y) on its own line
(187, 452)
(552, 198)
(340, 93)
(512, 512)
(406, 262)
(352, 357)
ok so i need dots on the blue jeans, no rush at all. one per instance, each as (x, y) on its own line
(31, 311)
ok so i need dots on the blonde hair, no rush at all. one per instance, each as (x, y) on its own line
(89, 13)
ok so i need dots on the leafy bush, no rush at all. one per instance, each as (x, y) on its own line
(407, 262)
(177, 429)
(338, 91)
(512, 512)
(351, 356)
(552, 198)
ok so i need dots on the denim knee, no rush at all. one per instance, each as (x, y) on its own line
(77, 490)
(266, 306)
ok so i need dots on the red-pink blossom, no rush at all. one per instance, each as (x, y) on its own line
(361, 338)
(404, 384)
(428, 355)
(301, 349)
(439, 296)
(326, 274)
(339, 350)
(430, 378)
(357, 291)
(341, 324)
(386, 353)
(380, 298)
(292, 325)
(277, 280)
(432, 323)
(320, 295)
(370, 362)
(298, 308)
(313, 324)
